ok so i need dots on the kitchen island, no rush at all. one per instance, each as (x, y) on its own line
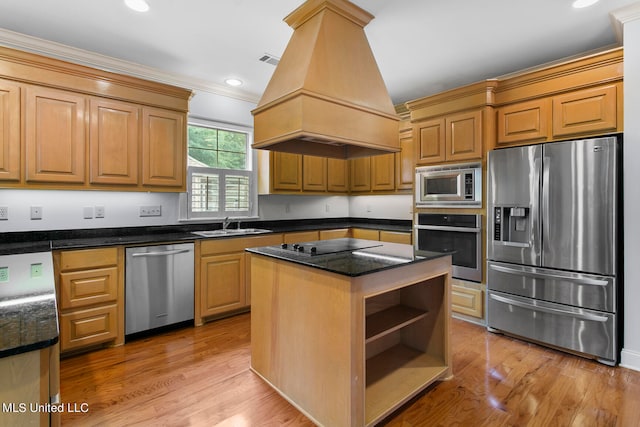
(348, 330)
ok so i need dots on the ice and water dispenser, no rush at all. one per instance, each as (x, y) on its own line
(511, 224)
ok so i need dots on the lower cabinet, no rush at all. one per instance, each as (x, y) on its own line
(467, 299)
(222, 275)
(90, 287)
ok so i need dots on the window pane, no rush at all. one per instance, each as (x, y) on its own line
(232, 141)
(204, 193)
(229, 160)
(202, 137)
(236, 193)
(204, 158)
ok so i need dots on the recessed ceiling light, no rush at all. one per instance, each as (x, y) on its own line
(137, 5)
(579, 4)
(233, 82)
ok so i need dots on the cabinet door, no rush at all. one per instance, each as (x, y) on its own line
(113, 142)
(55, 136)
(365, 233)
(405, 162)
(9, 131)
(523, 122)
(395, 237)
(314, 177)
(223, 283)
(337, 175)
(164, 155)
(585, 111)
(464, 136)
(286, 171)
(383, 172)
(467, 301)
(360, 174)
(429, 137)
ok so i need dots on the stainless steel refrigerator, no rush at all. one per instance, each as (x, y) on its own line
(552, 245)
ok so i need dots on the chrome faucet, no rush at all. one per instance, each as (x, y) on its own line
(225, 223)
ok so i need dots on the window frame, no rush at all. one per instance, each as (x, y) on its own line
(251, 172)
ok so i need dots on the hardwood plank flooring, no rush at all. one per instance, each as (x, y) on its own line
(201, 377)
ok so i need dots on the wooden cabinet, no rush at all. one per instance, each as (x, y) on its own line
(114, 140)
(365, 233)
(222, 275)
(314, 173)
(455, 137)
(337, 176)
(90, 287)
(163, 148)
(578, 98)
(335, 234)
(76, 132)
(467, 300)
(375, 173)
(395, 237)
(9, 131)
(525, 122)
(575, 113)
(405, 161)
(585, 111)
(55, 136)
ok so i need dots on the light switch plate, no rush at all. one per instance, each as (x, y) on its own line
(36, 212)
(4, 274)
(4, 212)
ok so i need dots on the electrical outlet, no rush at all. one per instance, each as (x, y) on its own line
(36, 270)
(4, 274)
(36, 212)
(99, 211)
(287, 208)
(151, 210)
(87, 212)
(4, 212)
(327, 208)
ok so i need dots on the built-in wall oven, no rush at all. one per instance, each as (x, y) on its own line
(459, 234)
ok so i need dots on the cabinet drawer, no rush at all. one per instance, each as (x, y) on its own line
(301, 236)
(466, 301)
(239, 244)
(88, 287)
(335, 234)
(395, 237)
(366, 234)
(86, 327)
(88, 258)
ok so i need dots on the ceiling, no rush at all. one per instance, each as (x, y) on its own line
(422, 46)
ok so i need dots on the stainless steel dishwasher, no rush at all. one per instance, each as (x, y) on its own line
(159, 285)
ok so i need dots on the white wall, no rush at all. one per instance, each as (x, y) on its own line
(275, 207)
(631, 351)
(398, 206)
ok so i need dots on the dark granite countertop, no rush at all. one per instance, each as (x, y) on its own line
(373, 257)
(35, 241)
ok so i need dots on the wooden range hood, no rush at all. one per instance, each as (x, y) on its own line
(326, 96)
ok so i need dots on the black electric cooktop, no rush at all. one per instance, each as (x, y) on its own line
(325, 247)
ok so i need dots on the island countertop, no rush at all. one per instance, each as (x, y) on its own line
(348, 256)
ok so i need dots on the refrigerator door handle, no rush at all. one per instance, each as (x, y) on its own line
(516, 244)
(583, 316)
(545, 197)
(522, 272)
(446, 228)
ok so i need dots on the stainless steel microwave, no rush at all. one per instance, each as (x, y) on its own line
(455, 185)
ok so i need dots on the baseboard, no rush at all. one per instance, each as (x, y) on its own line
(630, 359)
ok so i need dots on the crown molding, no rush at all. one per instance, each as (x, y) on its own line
(621, 16)
(63, 52)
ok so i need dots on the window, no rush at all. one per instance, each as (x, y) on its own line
(221, 180)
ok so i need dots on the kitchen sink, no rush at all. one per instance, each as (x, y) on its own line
(231, 232)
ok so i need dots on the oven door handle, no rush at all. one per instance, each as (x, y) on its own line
(446, 228)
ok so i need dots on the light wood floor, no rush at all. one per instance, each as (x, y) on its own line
(200, 376)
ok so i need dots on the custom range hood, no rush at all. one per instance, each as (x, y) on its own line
(326, 96)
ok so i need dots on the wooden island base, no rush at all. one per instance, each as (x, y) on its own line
(348, 351)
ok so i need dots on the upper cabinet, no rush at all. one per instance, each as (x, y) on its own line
(453, 126)
(88, 129)
(114, 138)
(55, 136)
(567, 100)
(163, 148)
(405, 159)
(9, 131)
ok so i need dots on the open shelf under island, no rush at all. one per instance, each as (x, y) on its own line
(351, 330)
